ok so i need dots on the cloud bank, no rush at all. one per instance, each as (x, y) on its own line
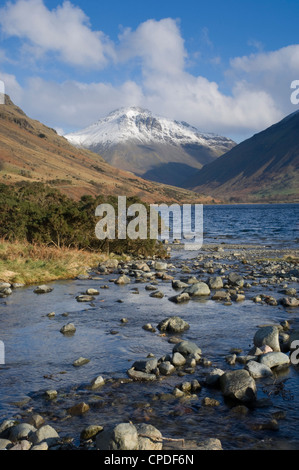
(153, 60)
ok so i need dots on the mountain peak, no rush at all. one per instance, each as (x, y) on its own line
(139, 125)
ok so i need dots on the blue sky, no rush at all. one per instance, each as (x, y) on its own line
(224, 67)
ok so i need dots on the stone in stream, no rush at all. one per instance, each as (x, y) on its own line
(173, 325)
(140, 376)
(85, 298)
(197, 289)
(44, 434)
(80, 361)
(180, 298)
(215, 282)
(157, 295)
(79, 409)
(221, 295)
(5, 292)
(267, 335)
(68, 329)
(289, 302)
(97, 382)
(20, 431)
(160, 266)
(274, 359)
(238, 385)
(4, 443)
(186, 348)
(177, 284)
(122, 280)
(178, 359)
(149, 437)
(43, 289)
(91, 291)
(147, 365)
(126, 436)
(51, 394)
(166, 368)
(235, 279)
(258, 370)
(90, 432)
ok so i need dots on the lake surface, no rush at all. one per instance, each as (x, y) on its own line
(36, 352)
(267, 224)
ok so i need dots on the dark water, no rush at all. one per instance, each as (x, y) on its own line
(268, 224)
(36, 352)
(275, 225)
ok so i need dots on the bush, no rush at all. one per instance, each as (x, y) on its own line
(37, 213)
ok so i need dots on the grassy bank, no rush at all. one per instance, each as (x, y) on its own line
(34, 264)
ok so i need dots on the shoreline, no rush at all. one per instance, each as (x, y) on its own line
(162, 391)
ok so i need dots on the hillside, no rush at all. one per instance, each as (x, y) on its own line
(264, 168)
(30, 151)
(153, 147)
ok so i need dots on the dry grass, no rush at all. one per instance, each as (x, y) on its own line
(30, 264)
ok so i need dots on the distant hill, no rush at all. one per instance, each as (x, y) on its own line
(153, 147)
(30, 151)
(264, 168)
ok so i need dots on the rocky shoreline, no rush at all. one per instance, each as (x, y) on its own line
(183, 381)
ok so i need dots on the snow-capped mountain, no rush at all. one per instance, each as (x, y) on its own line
(151, 146)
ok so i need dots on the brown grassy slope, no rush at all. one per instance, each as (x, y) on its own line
(264, 168)
(30, 151)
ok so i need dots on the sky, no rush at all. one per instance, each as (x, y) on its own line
(225, 67)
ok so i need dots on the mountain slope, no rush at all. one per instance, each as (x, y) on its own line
(30, 151)
(151, 146)
(264, 168)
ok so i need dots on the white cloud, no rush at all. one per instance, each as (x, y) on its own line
(259, 84)
(64, 31)
(158, 44)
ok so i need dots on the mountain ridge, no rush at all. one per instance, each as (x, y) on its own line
(153, 147)
(31, 151)
(264, 167)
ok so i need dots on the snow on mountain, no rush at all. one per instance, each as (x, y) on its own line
(153, 147)
(141, 126)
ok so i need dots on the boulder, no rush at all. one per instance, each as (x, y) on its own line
(289, 302)
(173, 325)
(160, 266)
(166, 368)
(148, 365)
(234, 279)
(238, 385)
(215, 282)
(20, 431)
(44, 434)
(180, 298)
(258, 370)
(267, 335)
(90, 432)
(274, 359)
(124, 437)
(122, 280)
(68, 329)
(149, 437)
(141, 376)
(187, 347)
(43, 289)
(178, 359)
(197, 289)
